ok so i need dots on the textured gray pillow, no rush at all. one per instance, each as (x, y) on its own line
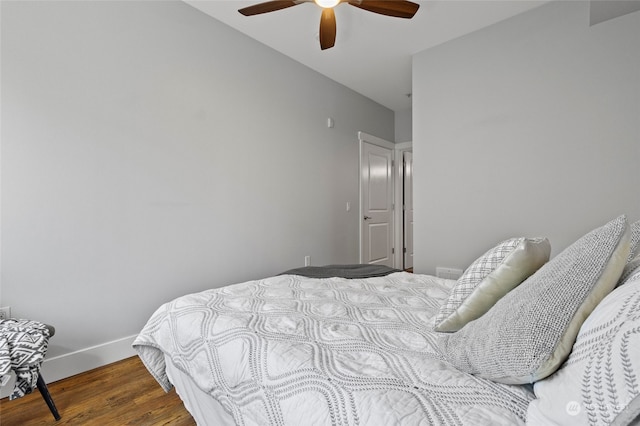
(630, 270)
(633, 261)
(635, 240)
(489, 278)
(528, 333)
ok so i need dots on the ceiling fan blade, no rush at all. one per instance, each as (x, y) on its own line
(327, 29)
(269, 6)
(397, 8)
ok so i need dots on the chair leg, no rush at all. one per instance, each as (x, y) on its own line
(44, 391)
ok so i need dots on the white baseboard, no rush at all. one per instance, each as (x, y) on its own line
(67, 365)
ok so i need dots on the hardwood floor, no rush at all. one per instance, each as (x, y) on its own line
(122, 393)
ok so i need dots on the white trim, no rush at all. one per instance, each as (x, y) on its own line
(365, 137)
(398, 214)
(403, 146)
(67, 365)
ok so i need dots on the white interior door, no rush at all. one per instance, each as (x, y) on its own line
(407, 191)
(377, 204)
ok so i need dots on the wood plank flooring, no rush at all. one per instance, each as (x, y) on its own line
(122, 393)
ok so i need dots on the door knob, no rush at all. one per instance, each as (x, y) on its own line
(367, 217)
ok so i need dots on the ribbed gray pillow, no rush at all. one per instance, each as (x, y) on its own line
(635, 240)
(630, 270)
(528, 333)
(633, 261)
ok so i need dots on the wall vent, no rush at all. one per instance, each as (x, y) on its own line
(448, 273)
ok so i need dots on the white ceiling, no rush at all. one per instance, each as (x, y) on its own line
(373, 53)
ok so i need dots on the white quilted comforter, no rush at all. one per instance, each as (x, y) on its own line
(290, 350)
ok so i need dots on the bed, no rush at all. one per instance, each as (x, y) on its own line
(518, 339)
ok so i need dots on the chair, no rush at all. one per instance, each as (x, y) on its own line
(42, 385)
(14, 344)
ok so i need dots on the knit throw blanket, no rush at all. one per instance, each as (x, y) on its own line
(23, 345)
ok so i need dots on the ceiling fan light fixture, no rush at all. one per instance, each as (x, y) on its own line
(327, 4)
(327, 35)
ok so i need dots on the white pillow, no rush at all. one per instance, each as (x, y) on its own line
(489, 278)
(528, 333)
(600, 382)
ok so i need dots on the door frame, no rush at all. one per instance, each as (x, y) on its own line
(396, 177)
(398, 214)
(403, 212)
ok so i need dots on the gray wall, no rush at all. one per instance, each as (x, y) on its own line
(528, 127)
(403, 125)
(149, 151)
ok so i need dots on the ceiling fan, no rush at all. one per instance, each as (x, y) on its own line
(327, 35)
